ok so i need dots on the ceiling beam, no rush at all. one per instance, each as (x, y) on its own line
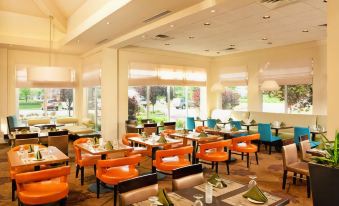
(50, 9)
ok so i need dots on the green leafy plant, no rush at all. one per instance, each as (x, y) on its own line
(331, 149)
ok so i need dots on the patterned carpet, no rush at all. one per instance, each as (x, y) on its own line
(268, 172)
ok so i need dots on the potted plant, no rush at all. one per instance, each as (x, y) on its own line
(324, 174)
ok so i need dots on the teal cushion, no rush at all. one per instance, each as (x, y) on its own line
(275, 138)
(314, 144)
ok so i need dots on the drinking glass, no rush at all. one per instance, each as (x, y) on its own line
(153, 200)
(36, 148)
(252, 182)
(219, 183)
(198, 201)
(21, 150)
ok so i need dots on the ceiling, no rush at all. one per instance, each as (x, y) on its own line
(243, 28)
(87, 26)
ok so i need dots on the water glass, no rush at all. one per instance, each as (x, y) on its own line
(36, 148)
(198, 201)
(252, 182)
(153, 200)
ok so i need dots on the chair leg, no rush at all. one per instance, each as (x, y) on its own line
(228, 167)
(294, 178)
(212, 165)
(13, 189)
(248, 160)
(77, 171)
(300, 179)
(259, 144)
(308, 187)
(270, 149)
(242, 156)
(82, 175)
(256, 158)
(63, 202)
(284, 179)
(95, 170)
(216, 167)
(98, 187)
(115, 194)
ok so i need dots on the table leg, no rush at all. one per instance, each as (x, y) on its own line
(194, 144)
(313, 136)
(203, 123)
(154, 169)
(276, 132)
(248, 129)
(37, 168)
(103, 156)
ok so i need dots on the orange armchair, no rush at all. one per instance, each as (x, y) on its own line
(200, 128)
(244, 145)
(168, 160)
(42, 187)
(113, 171)
(168, 132)
(136, 150)
(83, 159)
(215, 152)
(14, 171)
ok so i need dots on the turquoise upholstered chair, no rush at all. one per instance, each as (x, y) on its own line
(266, 136)
(211, 123)
(237, 124)
(301, 131)
(190, 124)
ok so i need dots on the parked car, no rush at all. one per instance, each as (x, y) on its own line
(179, 103)
(52, 105)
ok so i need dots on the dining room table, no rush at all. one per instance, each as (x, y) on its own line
(202, 121)
(249, 125)
(50, 155)
(314, 133)
(140, 127)
(225, 133)
(152, 142)
(231, 195)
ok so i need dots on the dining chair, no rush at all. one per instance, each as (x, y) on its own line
(58, 133)
(26, 136)
(190, 123)
(301, 131)
(267, 137)
(187, 177)
(304, 146)
(169, 125)
(237, 124)
(60, 142)
(245, 146)
(13, 124)
(211, 123)
(130, 126)
(215, 152)
(136, 149)
(15, 170)
(43, 187)
(151, 128)
(200, 128)
(18, 142)
(168, 160)
(32, 122)
(83, 159)
(291, 163)
(114, 171)
(137, 189)
(146, 121)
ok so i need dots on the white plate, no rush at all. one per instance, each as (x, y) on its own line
(254, 201)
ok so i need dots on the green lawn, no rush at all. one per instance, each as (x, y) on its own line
(30, 105)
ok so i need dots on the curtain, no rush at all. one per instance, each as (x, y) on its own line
(91, 76)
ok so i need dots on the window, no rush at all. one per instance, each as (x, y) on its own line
(235, 98)
(151, 102)
(45, 102)
(94, 105)
(293, 99)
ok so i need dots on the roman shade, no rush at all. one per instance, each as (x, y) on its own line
(160, 74)
(234, 76)
(91, 76)
(44, 77)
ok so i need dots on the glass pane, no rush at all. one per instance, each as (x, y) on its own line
(137, 102)
(235, 98)
(59, 102)
(178, 105)
(158, 104)
(98, 123)
(193, 99)
(30, 102)
(274, 101)
(300, 99)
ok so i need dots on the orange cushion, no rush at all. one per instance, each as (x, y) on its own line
(249, 148)
(43, 192)
(88, 159)
(115, 175)
(213, 156)
(171, 165)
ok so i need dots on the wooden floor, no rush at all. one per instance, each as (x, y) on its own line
(268, 172)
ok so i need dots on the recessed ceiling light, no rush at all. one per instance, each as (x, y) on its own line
(218, 52)
(269, 42)
(305, 30)
(325, 1)
(264, 39)
(107, 22)
(212, 11)
(191, 37)
(167, 44)
(232, 45)
(206, 50)
(266, 17)
(207, 24)
(171, 25)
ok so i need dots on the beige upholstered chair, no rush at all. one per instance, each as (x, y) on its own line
(32, 122)
(60, 142)
(292, 163)
(67, 120)
(18, 142)
(304, 146)
(137, 189)
(187, 177)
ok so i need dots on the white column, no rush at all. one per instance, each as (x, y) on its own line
(254, 93)
(332, 68)
(109, 96)
(3, 91)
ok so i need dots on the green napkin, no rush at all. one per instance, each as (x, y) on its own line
(24, 131)
(242, 122)
(216, 127)
(255, 194)
(163, 198)
(282, 124)
(234, 129)
(213, 180)
(219, 121)
(203, 134)
(108, 145)
(30, 148)
(230, 119)
(162, 140)
(53, 129)
(198, 118)
(253, 121)
(96, 140)
(38, 155)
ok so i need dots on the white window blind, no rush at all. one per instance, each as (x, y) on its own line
(234, 76)
(159, 74)
(44, 77)
(91, 76)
